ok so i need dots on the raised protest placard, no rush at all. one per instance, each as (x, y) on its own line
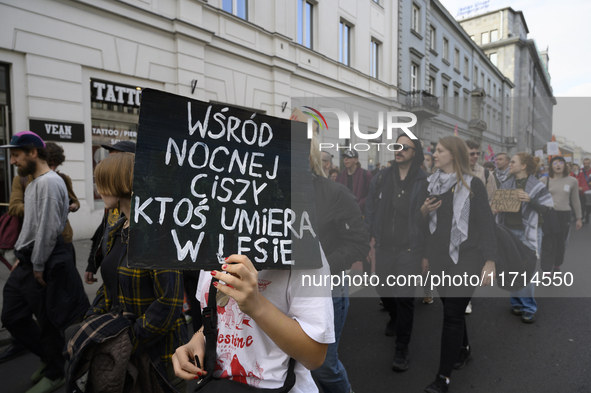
(552, 148)
(211, 180)
(506, 201)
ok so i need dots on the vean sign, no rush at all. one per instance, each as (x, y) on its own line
(55, 131)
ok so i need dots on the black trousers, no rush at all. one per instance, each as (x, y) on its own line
(455, 298)
(24, 296)
(399, 300)
(554, 245)
(584, 208)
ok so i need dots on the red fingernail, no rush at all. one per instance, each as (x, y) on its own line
(226, 258)
(224, 267)
(196, 377)
(213, 273)
(215, 284)
(199, 374)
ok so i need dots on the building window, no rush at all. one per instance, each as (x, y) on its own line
(414, 77)
(475, 76)
(456, 102)
(485, 38)
(305, 15)
(457, 59)
(416, 18)
(466, 109)
(444, 97)
(466, 67)
(374, 57)
(482, 79)
(445, 49)
(488, 87)
(494, 35)
(345, 43)
(431, 85)
(236, 7)
(493, 58)
(432, 38)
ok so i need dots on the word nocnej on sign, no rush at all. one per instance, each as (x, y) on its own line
(211, 180)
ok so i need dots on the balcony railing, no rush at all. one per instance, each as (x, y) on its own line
(422, 99)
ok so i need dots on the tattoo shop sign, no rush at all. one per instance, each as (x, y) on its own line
(211, 180)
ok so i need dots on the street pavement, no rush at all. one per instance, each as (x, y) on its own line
(551, 355)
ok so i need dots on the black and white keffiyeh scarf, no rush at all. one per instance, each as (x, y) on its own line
(440, 183)
(537, 191)
(502, 175)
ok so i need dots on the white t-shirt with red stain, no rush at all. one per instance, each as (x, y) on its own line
(246, 354)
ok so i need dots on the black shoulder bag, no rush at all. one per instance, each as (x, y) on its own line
(211, 384)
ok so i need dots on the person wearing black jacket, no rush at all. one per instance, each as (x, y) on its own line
(392, 208)
(461, 240)
(344, 241)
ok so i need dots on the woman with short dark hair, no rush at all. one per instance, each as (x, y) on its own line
(564, 191)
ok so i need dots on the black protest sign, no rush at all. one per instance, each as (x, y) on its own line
(211, 180)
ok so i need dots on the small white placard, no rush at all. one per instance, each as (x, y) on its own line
(566, 188)
(553, 149)
(540, 153)
(568, 159)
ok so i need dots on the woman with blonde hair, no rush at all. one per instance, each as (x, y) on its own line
(527, 222)
(461, 240)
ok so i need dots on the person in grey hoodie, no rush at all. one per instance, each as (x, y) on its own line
(39, 249)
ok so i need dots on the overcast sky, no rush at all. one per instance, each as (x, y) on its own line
(562, 26)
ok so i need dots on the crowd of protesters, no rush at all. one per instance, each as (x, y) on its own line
(424, 213)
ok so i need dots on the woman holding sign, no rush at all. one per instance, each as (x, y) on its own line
(526, 223)
(154, 297)
(271, 330)
(564, 191)
(461, 241)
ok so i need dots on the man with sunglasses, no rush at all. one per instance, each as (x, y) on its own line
(392, 204)
(481, 172)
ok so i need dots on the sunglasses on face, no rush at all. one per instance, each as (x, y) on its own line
(475, 153)
(406, 147)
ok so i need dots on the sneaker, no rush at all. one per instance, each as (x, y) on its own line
(12, 351)
(390, 328)
(469, 308)
(465, 355)
(516, 310)
(400, 362)
(440, 385)
(528, 317)
(46, 385)
(39, 374)
(427, 300)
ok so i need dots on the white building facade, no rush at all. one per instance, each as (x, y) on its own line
(503, 36)
(73, 70)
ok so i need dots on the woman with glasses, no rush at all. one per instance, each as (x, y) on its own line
(565, 192)
(526, 223)
(461, 240)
